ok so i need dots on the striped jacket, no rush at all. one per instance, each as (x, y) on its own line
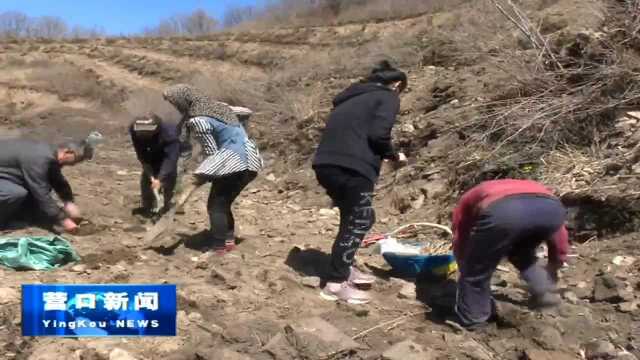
(226, 147)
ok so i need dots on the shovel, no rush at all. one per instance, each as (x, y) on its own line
(163, 227)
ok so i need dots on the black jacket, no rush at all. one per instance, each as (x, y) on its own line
(161, 152)
(34, 166)
(358, 133)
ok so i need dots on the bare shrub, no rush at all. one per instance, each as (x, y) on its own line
(147, 100)
(559, 98)
(68, 81)
(323, 12)
(385, 9)
(197, 23)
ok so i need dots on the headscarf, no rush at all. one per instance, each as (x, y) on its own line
(191, 102)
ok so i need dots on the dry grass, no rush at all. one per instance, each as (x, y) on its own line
(347, 12)
(68, 82)
(554, 120)
(573, 170)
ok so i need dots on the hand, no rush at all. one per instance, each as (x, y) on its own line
(72, 211)
(69, 225)
(155, 184)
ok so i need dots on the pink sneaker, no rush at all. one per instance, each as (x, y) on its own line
(357, 277)
(345, 292)
(230, 245)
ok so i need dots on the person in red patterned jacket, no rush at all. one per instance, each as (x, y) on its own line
(506, 218)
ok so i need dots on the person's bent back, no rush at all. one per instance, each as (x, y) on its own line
(29, 170)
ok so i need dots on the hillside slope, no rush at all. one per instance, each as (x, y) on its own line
(482, 103)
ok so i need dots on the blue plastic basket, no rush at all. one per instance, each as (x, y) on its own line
(420, 265)
(414, 265)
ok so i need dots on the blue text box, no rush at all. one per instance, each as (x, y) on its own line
(98, 310)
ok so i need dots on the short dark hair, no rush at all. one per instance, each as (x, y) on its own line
(386, 74)
(81, 148)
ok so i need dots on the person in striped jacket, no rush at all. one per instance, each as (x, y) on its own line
(231, 158)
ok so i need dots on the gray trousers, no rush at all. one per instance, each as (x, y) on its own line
(12, 196)
(512, 227)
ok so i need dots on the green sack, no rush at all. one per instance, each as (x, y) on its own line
(36, 252)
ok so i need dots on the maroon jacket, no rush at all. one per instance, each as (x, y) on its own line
(487, 192)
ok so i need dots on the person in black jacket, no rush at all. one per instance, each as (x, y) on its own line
(157, 147)
(356, 140)
(29, 170)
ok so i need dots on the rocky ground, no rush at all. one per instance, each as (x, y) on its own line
(261, 302)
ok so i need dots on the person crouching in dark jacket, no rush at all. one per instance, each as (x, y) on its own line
(157, 147)
(29, 171)
(356, 140)
(499, 219)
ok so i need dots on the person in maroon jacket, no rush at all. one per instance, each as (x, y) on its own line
(506, 218)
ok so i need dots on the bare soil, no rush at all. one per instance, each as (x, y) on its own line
(241, 306)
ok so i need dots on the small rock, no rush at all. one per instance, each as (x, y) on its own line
(623, 260)
(271, 177)
(279, 348)
(546, 355)
(626, 356)
(320, 330)
(511, 316)
(327, 212)
(311, 281)
(418, 203)
(628, 307)
(9, 296)
(600, 349)
(220, 277)
(119, 354)
(571, 297)
(122, 173)
(549, 338)
(408, 291)
(357, 310)
(409, 128)
(408, 350)
(607, 289)
(79, 268)
(502, 346)
(475, 351)
(195, 317)
(233, 355)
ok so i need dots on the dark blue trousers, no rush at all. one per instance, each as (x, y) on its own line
(12, 197)
(511, 227)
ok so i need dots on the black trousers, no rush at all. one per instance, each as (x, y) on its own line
(512, 227)
(353, 194)
(224, 191)
(168, 187)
